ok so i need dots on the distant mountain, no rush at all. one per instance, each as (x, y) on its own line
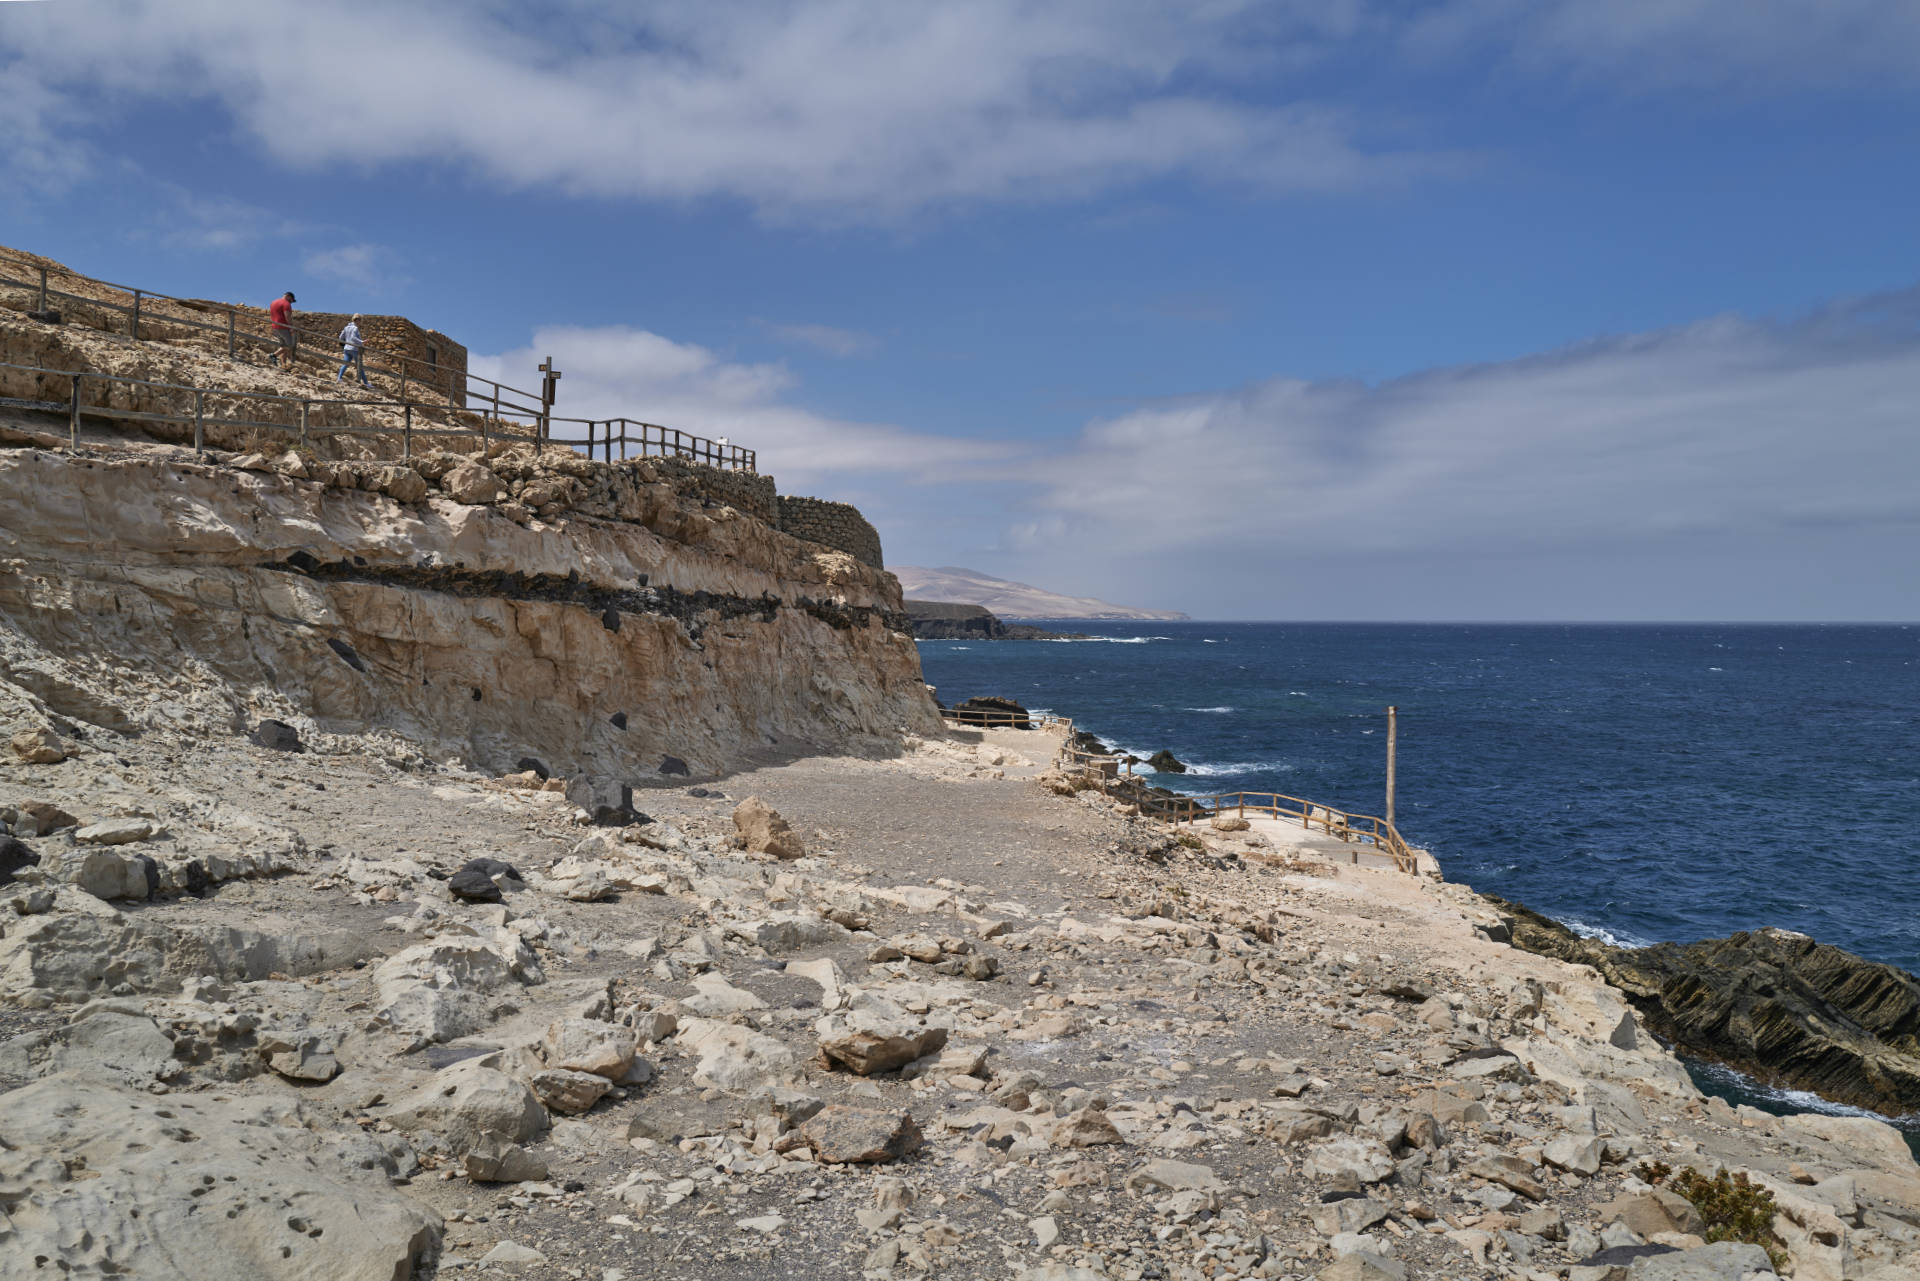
(1012, 600)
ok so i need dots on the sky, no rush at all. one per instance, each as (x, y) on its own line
(1305, 309)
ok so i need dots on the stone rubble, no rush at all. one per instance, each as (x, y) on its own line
(959, 1027)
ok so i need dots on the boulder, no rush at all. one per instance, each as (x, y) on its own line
(103, 873)
(1363, 1265)
(592, 886)
(473, 483)
(305, 1058)
(672, 765)
(437, 991)
(37, 747)
(494, 1160)
(1164, 762)
(467, 1104)
(103, 1181)
(116, 831)
(1510, 1172)
(734, 1058)
(1089, 1127)
(762, 830)
(1722, 1261)
(842, 1135)
(1229, 823)
(1649, 1213)
(1349, 1160)
(277, 736)
(608, 802)
(876, 1039)
(1174, 1176)
(588, 1045)
(14, 857)
(569, 1093)
(36, 817)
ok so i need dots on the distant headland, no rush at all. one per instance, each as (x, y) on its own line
(1013, 600)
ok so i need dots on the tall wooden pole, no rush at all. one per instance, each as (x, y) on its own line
(1393, 727)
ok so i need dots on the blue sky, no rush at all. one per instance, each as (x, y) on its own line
(1462, 309)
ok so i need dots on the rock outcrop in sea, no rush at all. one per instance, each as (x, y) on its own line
(1776, 1005)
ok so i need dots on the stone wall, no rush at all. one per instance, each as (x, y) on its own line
(435, 360)
(836, 525)
(744, 491)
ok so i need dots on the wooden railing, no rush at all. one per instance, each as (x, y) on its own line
(204, 407)
(485, 399)
(1105, 771)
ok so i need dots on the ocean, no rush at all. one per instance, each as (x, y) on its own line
(1640, 783)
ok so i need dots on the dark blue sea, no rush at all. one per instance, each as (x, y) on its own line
(1639, 783)
(1645, 783)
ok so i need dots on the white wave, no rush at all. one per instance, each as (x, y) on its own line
(1103, 640)
(1716, 669)
(1799, 1100)
(1298, 693)
(1216, 710)
(1606, 936)
(1205, 770)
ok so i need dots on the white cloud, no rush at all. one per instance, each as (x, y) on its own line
(827, 339)
(1730, 427)
(860, 109)
(1756, 48)
(366, 267)
(617, 371)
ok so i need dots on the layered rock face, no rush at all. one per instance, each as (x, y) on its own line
(596, 617)
(1772, 1003)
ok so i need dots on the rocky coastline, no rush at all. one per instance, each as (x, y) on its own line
(1774, 1004)
(950, 620)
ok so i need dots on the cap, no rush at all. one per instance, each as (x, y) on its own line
(290, 297)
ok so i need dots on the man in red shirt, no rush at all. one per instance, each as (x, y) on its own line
(281, 310)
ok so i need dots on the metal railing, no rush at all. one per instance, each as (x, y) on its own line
(220, 407)
(606, 438)
(1104, 770)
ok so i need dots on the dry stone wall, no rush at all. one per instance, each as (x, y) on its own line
(835, 525)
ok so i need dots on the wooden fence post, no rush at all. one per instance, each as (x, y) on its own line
(73, 421)
(43, 290)
(133, 327)
(199, 426)
(406, 435)
(1393, 730)
(230, 348)
(303, 424)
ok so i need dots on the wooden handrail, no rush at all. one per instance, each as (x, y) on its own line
(743, 459)
(1366, 829)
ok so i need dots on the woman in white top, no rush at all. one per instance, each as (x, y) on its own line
(351, 345)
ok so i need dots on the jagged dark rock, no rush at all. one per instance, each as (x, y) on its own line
(277, 736)
(1784, 1009)
(992, 710)
(673, 765)
(1164, 762)
(14, 855)
(951, 620)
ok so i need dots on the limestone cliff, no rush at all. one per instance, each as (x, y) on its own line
(598, 617)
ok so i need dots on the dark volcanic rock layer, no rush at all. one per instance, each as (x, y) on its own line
(1774, 1004)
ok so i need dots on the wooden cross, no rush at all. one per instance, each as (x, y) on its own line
(548, 377)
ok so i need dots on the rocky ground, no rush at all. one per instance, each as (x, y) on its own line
(340, 1012)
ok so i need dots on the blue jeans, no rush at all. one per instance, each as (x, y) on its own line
(351, 358)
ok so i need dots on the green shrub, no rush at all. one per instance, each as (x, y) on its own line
(1732, 1206)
